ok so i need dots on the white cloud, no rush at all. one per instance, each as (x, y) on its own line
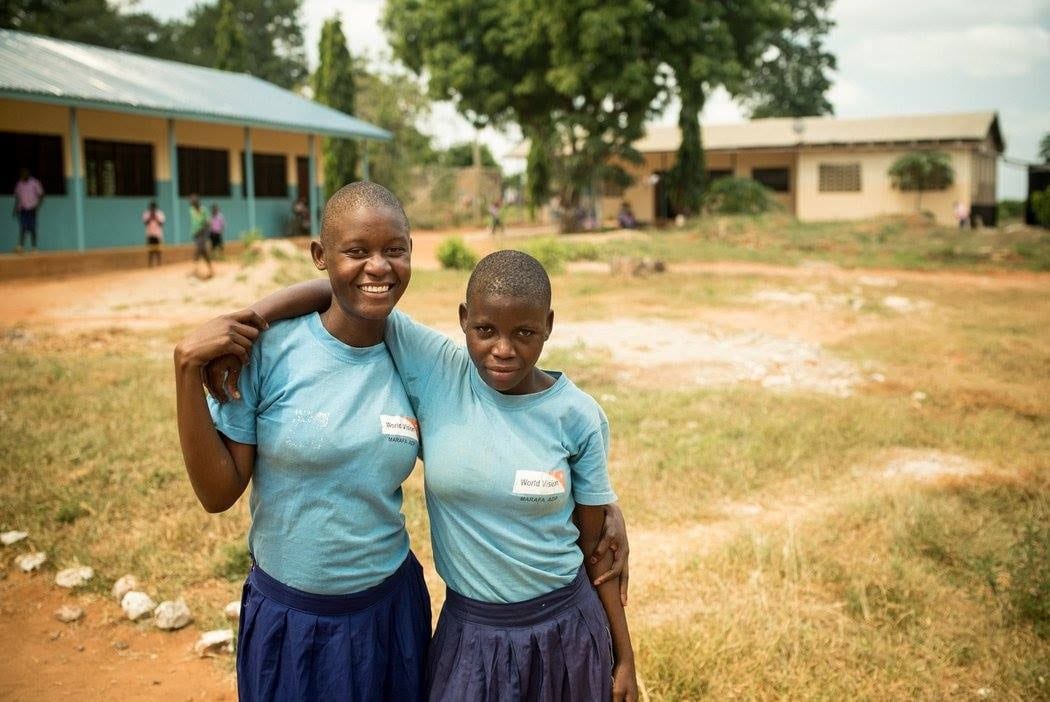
(980, 52)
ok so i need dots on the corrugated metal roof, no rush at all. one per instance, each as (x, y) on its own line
(39, 68)
(822, 131)
(777, 133)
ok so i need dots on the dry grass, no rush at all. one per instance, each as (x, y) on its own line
(772, 558)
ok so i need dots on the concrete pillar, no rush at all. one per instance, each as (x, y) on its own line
(78, 179)
(175, 217)
(315, 226)
(249, 177)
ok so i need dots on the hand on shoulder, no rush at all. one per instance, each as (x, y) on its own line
(229, 334)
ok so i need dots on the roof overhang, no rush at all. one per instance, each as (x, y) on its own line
(368, 131)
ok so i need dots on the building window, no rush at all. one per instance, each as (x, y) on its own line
(118, 168)
(40, 153)
(840, 177)
(717, 173)
(776, 179)
(205, 172)
(270, 175)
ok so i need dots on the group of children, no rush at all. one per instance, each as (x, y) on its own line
(326, 417)
(207, 232)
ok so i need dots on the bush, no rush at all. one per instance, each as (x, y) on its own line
(738, 196)
(1041, 206)
(1011, 209)
(550, 252)
(454, 254)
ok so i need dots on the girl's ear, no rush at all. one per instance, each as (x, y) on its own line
(463, 316)
(317, 254)
(550, 325)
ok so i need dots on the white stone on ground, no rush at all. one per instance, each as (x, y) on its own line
(31, 561)
(232, 610)
(12, 537)
(171, 615)
(124, 585)
(877, 281)
(785, 297)
(215, 641)
(903, 304)
(74, 577)
(68, 613)
(929, 465)
(137, 605)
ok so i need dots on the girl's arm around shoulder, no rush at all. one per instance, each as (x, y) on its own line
(222, 373)
(295, 300)
(421, 353)
(589, 520)
(219, 468)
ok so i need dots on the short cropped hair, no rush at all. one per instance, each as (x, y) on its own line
(359, 196)
(510, 273)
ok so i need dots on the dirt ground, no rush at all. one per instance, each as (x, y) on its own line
(105, 657)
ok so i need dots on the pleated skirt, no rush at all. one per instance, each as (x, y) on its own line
(553, 648)
(369, 645)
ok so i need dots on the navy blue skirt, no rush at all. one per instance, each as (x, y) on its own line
(369, 645)
(552, 648)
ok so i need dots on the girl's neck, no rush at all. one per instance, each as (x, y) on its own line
(352, 331)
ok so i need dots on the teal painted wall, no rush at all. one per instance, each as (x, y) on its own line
(117, 221)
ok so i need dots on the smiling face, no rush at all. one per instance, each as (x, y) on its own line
(367, 253)
(505, 337)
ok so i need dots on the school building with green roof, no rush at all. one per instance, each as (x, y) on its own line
(107, 131)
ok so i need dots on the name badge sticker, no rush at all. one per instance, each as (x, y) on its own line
(395, 425)
(537, 482)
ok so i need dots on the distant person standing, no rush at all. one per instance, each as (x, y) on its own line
(962, 214)
(301, 217)
(200, 226)
(494, 213)
(153, 219)
(29, 194)
(217, 226)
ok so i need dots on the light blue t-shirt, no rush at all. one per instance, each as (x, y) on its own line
(335, 437)
(503, 472)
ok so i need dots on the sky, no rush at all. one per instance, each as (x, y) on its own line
(895, 57)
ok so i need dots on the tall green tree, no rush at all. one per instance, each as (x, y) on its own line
(231, 46)
(396, 102)
(920, 171)
(334, 86)
(273, 34)
(687, 178)
(791, 79)
(576, 71)
(1044, 148)
(703, 46)
(537, 171)
(582, 77)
